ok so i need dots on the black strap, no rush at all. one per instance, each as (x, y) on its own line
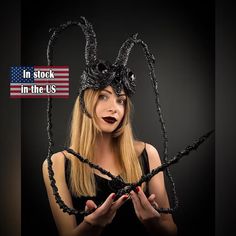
(67, 168)
(143, 160)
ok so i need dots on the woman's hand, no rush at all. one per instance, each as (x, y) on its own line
(104, 214)
(144, 207)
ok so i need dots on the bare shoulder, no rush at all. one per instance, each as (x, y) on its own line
(153, 156)
(58, 161)
(64, 222)
(139, 146)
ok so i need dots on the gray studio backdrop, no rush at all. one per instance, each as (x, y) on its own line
(181, 38)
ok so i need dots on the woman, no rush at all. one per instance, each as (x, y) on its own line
(101, 131)
(107, 140)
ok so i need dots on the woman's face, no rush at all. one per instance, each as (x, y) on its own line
(110, 109)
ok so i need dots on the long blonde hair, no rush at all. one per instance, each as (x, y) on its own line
(83, 133)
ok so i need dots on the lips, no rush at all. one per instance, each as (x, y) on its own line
(109, 119)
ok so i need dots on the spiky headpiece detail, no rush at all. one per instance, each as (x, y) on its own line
(99, 74)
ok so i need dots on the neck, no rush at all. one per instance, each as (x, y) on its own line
(104, 143)
(105, 155)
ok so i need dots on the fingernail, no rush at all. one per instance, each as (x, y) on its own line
(125, 197)
(113, 196)
(137, 189)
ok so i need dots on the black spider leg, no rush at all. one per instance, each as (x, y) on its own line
(59, 201)
(145, 178)
(56, 194)
(97, 167)
(50, 48)
(151, 60)
(129, 187)
(164, 166)
(174, 160)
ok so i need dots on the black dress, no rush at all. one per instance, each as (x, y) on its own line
(125, 219)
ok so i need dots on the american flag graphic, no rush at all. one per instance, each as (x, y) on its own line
(39, 82)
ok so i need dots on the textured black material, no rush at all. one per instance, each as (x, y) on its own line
(127, 187)
(97, 75)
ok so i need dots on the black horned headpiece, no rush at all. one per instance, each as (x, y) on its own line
(98, 74)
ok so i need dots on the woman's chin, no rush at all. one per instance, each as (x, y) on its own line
(107, 131)
(108, 128)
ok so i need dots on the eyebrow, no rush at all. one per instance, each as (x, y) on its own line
(119, 95)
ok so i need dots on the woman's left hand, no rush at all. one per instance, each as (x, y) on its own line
(144, 207)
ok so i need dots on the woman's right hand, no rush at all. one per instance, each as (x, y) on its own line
(104, 214)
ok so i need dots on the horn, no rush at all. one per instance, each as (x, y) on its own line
(125, 50)
(90, 36)
(91, 42)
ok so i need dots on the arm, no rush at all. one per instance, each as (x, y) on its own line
(157, 224)
(66, 224)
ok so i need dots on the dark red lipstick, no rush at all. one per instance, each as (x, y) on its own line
(109, 119)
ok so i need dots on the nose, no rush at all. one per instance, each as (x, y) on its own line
(112, 107)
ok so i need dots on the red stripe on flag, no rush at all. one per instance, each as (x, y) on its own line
(48, 67)
(43, 96)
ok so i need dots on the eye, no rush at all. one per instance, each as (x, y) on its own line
(121, 101)
(102, 97)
